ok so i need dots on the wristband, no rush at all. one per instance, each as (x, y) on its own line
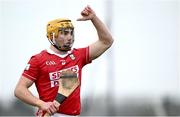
(60, 98)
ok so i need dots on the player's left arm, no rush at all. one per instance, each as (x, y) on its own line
(103, 43)
(105, 39)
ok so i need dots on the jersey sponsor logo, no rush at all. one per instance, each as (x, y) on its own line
(55, 76)
(50, 63)
(54, 83)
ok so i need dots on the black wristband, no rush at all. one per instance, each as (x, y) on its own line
(60, 98)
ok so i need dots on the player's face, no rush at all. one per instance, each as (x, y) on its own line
(65, 38)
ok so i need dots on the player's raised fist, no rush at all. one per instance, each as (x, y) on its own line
(87, 14)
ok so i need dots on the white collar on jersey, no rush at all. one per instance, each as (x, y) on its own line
(62, 56)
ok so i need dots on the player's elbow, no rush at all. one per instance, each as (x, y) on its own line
(111, 42)
(17, 91)
(108, 43)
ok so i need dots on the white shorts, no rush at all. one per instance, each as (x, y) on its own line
(63, 115)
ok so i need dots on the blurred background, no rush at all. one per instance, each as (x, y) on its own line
(138, 76)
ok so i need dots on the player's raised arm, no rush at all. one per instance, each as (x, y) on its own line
(105, 39)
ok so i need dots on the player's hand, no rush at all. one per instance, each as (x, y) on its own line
(87, 14)
(49, 107)
(56, 104)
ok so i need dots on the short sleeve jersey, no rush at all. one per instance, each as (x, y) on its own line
(45, 68)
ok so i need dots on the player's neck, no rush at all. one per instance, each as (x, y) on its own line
(58, 51)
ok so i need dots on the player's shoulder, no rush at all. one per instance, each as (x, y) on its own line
(40, 54)
(39, 57)
(79, 49)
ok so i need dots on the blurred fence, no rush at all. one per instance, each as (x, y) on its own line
(128, 106)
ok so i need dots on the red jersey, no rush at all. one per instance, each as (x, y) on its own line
(44, 69)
